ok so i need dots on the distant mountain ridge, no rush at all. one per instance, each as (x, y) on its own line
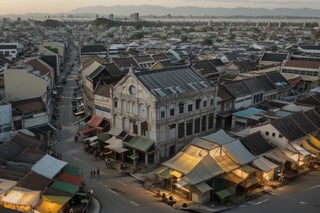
(146, 10)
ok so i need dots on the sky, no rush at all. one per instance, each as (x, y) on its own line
(64, 6)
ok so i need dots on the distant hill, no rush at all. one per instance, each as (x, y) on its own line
(145, 10)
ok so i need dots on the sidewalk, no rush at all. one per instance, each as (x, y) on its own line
(94, 206)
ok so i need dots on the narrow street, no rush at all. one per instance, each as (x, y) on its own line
(116, 192)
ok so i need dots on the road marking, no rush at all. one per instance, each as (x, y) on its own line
(80, 160)
(257, 203)
(134, 203)
(104, 185)
(311, 188)
(116, 193)
(119, 181)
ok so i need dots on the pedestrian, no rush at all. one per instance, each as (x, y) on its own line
(98, 172)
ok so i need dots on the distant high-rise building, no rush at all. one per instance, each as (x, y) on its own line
(135, 16)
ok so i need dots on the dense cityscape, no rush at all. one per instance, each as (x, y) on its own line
(159, 113)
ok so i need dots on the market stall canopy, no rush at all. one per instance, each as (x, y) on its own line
(65, 187)
(95, 121)
(48, 166)
(207, 168)
(114, 131)
(182, 162)
(300, 149)
(115, 145)
(87, 131)
(54, 202)
(67, 178)
(140, 143)
(72, 170)
(226, 163)
(203, 187)
(220, 137)
(239, 151)
(34, 181)
(21, 198)
(264, 164)
(6, 185)
(278, 156)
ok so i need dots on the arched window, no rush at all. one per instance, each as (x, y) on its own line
(181, 107)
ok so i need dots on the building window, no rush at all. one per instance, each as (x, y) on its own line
(135, 129)
(172, 126)
(171, 112)
(273, 134)
(181, 107)
(197, 125)
(181, 130)
(204, 123)
(115, 103)
(211, 102)
(198, 101)
(162, 114)
(280, 136)
(189, 127)
(210, 121)
(267, 133)
(190, 108)
(204, 104)
(144, 128)
(172, 150)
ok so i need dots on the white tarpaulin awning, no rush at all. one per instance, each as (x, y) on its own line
(239, 152)
(114, 131)
(116, 145)
(264, 164)
(23, 198)
(48, 166)
(220, 137)
(301, 150)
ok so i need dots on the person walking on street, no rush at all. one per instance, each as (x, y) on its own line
(98, 172)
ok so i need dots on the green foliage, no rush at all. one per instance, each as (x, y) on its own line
(184, 38)
(207, 41)
(137, 35)
(52, 23)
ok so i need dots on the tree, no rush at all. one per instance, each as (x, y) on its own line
(207, 41)
(184, 38)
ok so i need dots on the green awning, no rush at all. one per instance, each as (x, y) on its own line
(57, 199)
(223, 194)
(72, 170)
(103, 136)
(94, 143)
(133, 157)
(164, 173)
(65, 187)
(140, 143)
(83, 118)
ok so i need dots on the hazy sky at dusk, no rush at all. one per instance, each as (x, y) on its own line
(57, 6)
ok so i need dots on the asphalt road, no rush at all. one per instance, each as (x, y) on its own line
(116, 192)
(301, 195)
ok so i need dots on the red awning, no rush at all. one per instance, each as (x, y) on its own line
(95, 121)
(67, 178)
(87, 131)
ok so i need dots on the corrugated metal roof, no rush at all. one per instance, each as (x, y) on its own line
(220, 137)
(239, 152)
(256, 144)
(182, 162)
(247, 113)
(172, 81)
(207, 168)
